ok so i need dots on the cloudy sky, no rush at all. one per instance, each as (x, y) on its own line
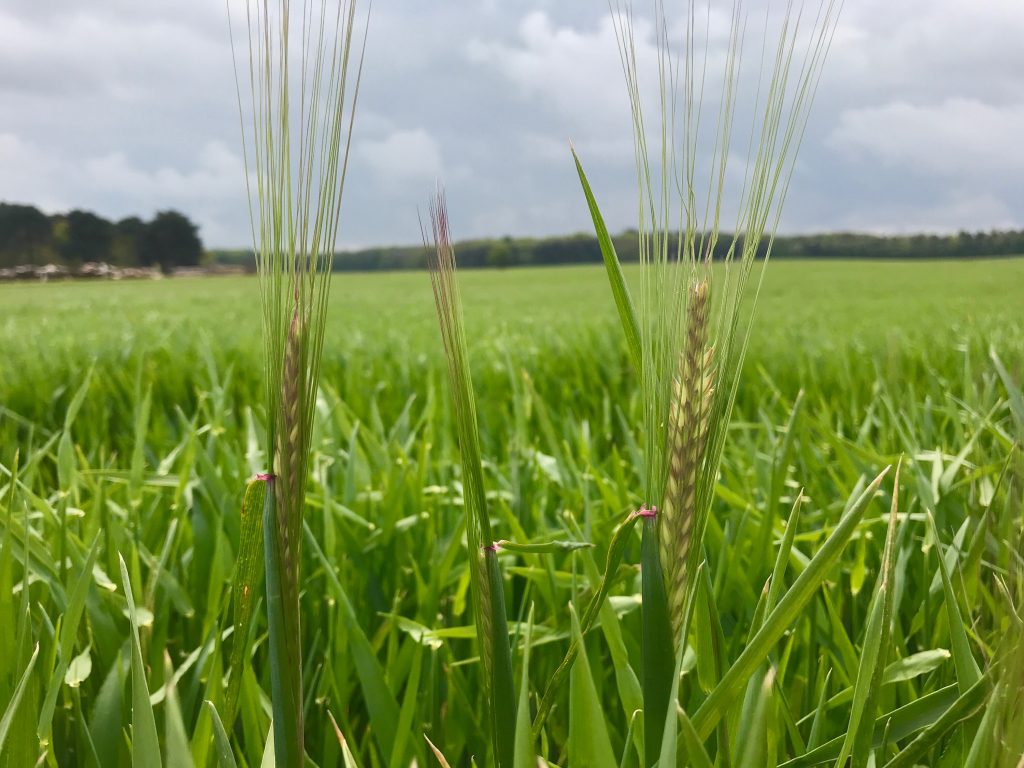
(126, 107)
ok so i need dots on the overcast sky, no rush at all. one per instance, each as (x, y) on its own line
(126, 107)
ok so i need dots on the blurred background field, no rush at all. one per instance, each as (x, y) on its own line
(819, 325)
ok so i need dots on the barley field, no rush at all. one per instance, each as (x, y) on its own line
(132, 416)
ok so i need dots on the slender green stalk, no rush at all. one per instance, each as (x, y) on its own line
(656, 638)
(485, 574)
(1007, 742)
(285, 667)
(296, 134)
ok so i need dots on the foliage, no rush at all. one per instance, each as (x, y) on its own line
(169, 240)
(26, 235)
(584, 249)
(142, 457)
(30, 237)
(83, 236)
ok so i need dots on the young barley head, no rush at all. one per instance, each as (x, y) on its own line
(448, 303)
(694, 320)
(485, 575)
(304, 63)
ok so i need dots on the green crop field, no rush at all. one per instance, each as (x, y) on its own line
(132, 415)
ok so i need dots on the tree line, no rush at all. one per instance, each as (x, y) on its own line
(583, 249)
(30, 237)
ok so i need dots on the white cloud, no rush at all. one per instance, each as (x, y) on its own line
(218, 173)
(211, 190)
(927, 50)
(129, 57)
(956, 137)
(576, 73)
(983, 210)
(402, 156)
(28, 172)
(545, 148)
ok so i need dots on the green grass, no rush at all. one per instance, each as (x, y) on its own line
(895, 317)
(893, 361)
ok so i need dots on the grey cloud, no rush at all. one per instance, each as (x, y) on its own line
(956, 138)
(402, 156)
(124, 107)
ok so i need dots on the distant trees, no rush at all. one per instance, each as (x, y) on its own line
(25, 232)
(583, 249)
(127, 248)
(29, 236)
(500, 254)
(84, 237)
(171, 240)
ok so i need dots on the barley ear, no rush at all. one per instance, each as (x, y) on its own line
(292, 447)
(693, 389)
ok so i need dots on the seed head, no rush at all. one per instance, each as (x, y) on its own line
(687, 437)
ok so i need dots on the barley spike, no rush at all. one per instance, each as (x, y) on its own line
(687, 431)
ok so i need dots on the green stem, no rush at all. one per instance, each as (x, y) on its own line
(659, 661)
(287, 723)
(503, 692)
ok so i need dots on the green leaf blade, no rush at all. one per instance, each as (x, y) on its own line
(145, 741)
